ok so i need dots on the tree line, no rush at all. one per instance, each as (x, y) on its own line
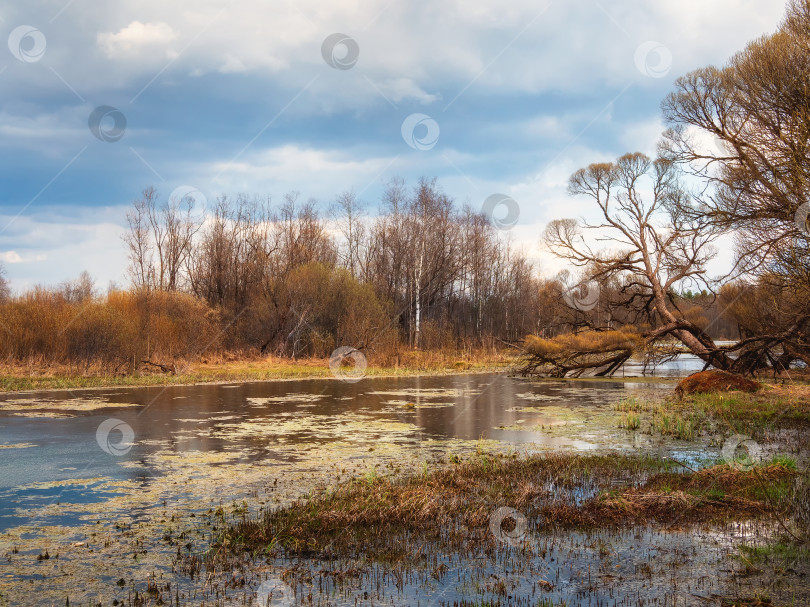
(251, 276)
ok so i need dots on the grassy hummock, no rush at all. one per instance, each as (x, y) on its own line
(775, 406)
(450, 508)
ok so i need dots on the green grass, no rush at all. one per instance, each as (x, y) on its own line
(784, 405)
(630, 421)
(782, 552)
(784, 460)
(743, 412)
(674, 424)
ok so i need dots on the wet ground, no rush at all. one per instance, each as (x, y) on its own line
(101, 490)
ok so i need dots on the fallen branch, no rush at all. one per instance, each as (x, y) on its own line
(164, 368)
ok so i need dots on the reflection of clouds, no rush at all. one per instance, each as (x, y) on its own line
(195, 472)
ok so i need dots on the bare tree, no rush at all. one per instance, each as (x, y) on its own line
(80, 290)
(654, 246)
(139, 241)
(5, 289)
(160, 238)
(744, 129)
(348, 213)
(174, 228)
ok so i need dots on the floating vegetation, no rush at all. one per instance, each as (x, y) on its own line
(56, 408)
(407, 404)
(538, 397)
(303, 397)
(428, 393)
(407, 508)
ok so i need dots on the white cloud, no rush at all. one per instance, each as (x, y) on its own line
(10, 257)
(50, 248)
(410, 49)
(322, 173)
(136, 37)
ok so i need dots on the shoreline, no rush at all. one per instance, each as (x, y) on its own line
(12, 381)
(217, 376)
(385, 373)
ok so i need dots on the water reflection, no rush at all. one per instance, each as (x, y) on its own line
(274, 422)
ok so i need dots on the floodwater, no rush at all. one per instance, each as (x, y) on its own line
(93, 482)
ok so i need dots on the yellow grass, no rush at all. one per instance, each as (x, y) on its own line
(33, 376)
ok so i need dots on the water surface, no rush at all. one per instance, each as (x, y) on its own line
(103, 500)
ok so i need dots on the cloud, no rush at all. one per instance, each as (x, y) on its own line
(524, 94)
(69, 247)
(10, 257)
(135, 38)
(320, 173)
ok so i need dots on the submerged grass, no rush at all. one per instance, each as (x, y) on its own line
(783, 552)
(451, 507)
(776, 406)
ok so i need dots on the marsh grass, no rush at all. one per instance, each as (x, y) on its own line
(633, 404)
(40, 376)
(776, 405)
(784, 552)
(449, 508)
(779, 406)
(630, 421)
(675, 424)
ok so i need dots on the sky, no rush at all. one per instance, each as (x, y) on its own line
(100, 100)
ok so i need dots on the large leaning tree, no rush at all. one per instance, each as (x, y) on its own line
(742, 133)
(744, 130)
(648, 244)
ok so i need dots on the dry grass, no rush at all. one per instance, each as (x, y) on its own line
(241, 367)
(595, 342)
(452, 505)
(115, 332)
